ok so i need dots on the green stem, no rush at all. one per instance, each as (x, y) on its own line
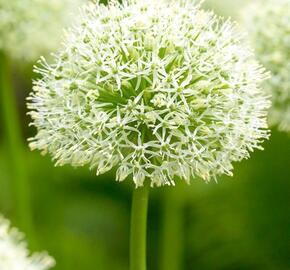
(139, 228)
(15, 149)
(171, 246)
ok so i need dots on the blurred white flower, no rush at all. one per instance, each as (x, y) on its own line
(31, 28)
(157, 89)
(14, 254)
(268, 23)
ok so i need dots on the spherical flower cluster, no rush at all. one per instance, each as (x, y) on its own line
(14, 254)
(31, 28)
(268, 23)
(157, 89)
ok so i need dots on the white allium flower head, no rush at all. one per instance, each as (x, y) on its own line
(268, 23)
(158, 89)
(14, 254)
(30, 28)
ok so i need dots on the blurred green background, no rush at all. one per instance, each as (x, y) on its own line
(242, 222)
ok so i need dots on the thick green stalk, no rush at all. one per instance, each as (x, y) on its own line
(15, 149)
(138, 233)
(172, 237)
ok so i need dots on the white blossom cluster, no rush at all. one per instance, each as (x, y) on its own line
(14, 254)
(268, 23)
(158, 89)
(31, 28)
